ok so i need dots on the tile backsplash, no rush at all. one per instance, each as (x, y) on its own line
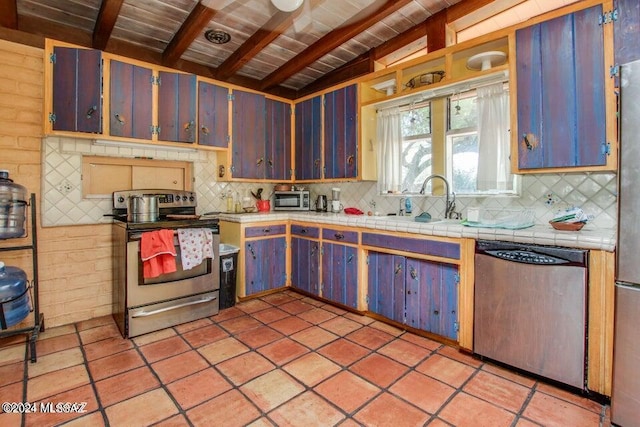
(62, 202)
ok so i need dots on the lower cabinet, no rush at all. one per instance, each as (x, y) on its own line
(340, 273)
(419, 293)
(262, 272)
(305, 262)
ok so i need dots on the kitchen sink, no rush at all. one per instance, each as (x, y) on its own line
(415, 219)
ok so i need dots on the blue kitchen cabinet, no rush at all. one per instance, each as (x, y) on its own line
(265, 264)
(561, 92)
(131, 100)
(305, 264)
(77, 90)
(277, 152)
(340, 273)
(340, 133)
(176, 107)
(386, 293)
(419, 293)
(432, 297)
(213, 115)
(626, 30)
(308, 139)
(249, 124)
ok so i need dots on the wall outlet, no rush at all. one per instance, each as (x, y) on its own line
(65, 187)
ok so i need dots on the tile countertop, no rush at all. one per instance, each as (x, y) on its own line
(541, 234)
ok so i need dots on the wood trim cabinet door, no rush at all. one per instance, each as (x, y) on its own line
(131, 100)
(340, 273)
(263, 273)
(308, 134)
(626, 30)
(386, 285)
(561, 92)
(176, 107)
(278, 140)
(340, 133)
(213, 115)
(248, 155)
(432, 297)
(305, 263)
(77, 90)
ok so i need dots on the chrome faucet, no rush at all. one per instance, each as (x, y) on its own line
(402, 205)
(450, 205)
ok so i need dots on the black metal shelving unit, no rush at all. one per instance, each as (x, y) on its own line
(38, 323)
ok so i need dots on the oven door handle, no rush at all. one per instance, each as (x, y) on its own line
(173, 307)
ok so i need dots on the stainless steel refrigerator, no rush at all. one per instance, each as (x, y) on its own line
(625, 397)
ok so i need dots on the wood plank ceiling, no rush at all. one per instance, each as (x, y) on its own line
(289, 54)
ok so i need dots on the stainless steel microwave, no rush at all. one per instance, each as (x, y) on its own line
(291, 200)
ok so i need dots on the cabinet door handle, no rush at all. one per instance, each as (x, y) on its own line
(266, 230)
(270, 163)
(120, 118)
(253, 254)
(350, 159)
(303, 231)
(530, 141)
(349, 259)
(259, 161)
(91, 110)
(398, 269)
(187, 126)
(313, 250)
(413, 273)
(205, 130)
(339, 236)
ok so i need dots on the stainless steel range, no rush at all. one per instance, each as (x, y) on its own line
(145, 304)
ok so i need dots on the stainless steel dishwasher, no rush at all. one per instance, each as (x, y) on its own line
(531, 308)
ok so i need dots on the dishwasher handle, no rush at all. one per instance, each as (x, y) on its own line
(526, 257)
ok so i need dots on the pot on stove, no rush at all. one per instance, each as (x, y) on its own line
(143, 208)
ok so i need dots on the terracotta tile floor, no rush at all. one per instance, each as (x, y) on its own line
(283, 360)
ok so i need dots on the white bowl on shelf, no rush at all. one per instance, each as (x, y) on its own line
(486, 60)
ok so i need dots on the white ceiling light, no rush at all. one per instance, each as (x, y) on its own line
(287, 5)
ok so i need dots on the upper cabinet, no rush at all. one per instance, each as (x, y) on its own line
(341, 133)
(248, 156)
(561, 102)
(308, 139)
(213, 115)
(176, 107)
(278, 140)
(627, 31)
(130, 101)
(76, 90)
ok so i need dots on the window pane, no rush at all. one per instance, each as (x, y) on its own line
(416, 122)
(464, 151)
(416, 163)
(463, 112)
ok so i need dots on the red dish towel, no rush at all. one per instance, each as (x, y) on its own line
(158, 253)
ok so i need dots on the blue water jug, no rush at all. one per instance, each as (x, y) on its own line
(14, 295)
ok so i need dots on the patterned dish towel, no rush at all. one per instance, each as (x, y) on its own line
(158, 253)
(196, 244)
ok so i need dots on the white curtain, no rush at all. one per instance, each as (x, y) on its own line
(493, 138)
(389, 136)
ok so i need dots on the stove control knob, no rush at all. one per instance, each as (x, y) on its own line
(120, 199)
(191, 199)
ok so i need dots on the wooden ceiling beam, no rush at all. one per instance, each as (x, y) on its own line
(359, 23)
(106, 20)
(464, 7)
(197, 20)
(9, 14)
(258, 41)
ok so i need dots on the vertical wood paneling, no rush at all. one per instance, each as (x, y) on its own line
(627, 31)
(77, 85)
(340, 133)
(278, 140)
(340, 273)
(176, 107)
(590, 80)
(248, 135)
(529, 83)
(265, 272)
(558, 92)
(213, 115)
(305, 258)
(308, 126)
(386, 285)
(130, 100)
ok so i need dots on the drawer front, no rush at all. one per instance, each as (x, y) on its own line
(418, 246)
(265, 230)
(305, 231)
(340, 235)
